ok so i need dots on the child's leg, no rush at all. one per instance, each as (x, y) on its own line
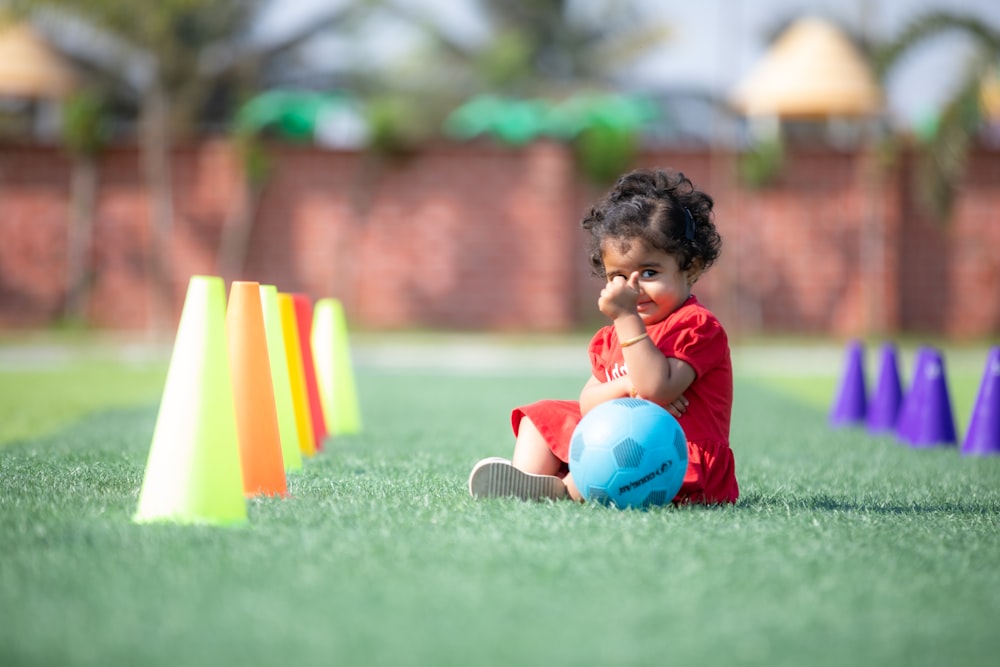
(530, 476)
(532, 454)
(536, 472)
(574, 492)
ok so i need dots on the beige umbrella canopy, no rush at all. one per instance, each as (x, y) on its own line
(989, 94)
(29, 67)
(811, 71)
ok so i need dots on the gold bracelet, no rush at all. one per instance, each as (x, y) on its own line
(633, 341)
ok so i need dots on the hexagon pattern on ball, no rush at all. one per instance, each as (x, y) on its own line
(628, 453)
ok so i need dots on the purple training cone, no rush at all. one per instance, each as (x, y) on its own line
(883, 410)
(926, 419)
(851, 404)
(983, 436)
(906, 421)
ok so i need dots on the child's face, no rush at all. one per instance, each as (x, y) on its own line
(663, 287)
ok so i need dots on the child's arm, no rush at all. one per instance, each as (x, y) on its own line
(657, 378)
(596, 392)
(654, 377)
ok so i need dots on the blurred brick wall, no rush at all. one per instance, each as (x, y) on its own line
(485, 237)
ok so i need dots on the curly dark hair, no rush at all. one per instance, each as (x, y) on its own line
(658, 207)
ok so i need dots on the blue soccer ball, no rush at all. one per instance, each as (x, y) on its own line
(629, 453)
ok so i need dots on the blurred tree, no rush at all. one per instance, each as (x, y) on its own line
(84, 133)
(536, 48)
(174, 55)
(945, 148)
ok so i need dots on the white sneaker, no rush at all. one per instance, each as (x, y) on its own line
(497, 478)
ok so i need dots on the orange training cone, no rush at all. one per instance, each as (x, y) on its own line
(193, 472)
(334, 371)
(253, 391)
(296, 374)
(303, 314)
(291, 455)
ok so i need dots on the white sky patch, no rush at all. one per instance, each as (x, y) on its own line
(713, 43)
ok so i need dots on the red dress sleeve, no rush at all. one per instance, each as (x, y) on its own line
(602, 346)
(696, 337)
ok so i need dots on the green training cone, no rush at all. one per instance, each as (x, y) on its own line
(193, 472)
(334, 370)
(287, 430)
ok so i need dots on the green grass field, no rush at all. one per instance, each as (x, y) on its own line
(844, 548)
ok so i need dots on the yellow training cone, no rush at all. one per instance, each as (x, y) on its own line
(289, 432)
(253, 391)
(296, 374)
(193, 472)
(334, 371)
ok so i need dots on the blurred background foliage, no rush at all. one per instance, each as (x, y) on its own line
(165, 72)
(945, 141)
(183, 67)
(175, 69)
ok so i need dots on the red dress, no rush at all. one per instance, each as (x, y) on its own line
(694, 335)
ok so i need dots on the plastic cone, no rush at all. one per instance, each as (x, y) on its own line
(927, 407)
(851, 405)
(303, 315)
(334, 369)
(883, 409)
(983, 436)
(296, 374)
(288, 431)
(253, 392)
(193, 472)
(906, 423)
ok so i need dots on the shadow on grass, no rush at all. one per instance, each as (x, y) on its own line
(823, 502)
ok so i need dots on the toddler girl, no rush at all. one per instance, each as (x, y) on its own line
(651, 237)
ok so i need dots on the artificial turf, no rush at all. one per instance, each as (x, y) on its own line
(843, 549)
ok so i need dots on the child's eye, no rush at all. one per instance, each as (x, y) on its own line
(647, 273)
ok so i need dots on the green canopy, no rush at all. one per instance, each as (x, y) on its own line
(518, 121)
(612, 111)
(513, 121)
(293, 114)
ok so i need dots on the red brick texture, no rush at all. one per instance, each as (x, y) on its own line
(482, 237)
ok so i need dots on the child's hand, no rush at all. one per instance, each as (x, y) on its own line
(678, 407)
(619, 297)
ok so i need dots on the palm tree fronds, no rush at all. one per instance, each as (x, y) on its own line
(943, 156)
(931, 25)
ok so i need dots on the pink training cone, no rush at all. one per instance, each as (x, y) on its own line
(304, 319)
(883, 409)
(983, 436)
(851, 404)
(929, 420)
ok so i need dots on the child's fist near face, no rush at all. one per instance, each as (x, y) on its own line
(620, 297)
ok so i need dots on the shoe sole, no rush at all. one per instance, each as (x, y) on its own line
(497, 478)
